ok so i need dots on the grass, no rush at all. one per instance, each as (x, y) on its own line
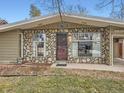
(60, 83)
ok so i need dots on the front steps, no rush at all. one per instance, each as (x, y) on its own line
(61, 63)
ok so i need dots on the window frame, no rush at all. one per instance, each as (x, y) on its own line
(77, 41)
(35, 43)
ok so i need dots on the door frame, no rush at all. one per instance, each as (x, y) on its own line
(66, 46)
(112, 47)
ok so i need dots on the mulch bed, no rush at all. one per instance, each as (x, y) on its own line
(37, 69)
(23, 69)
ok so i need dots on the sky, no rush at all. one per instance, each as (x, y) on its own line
(17, 10)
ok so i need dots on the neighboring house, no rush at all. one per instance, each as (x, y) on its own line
(83, 40)
(2, 22)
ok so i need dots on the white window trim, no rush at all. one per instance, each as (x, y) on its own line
(35, 55)
(76, 41)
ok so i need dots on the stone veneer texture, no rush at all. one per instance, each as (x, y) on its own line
(51, 46)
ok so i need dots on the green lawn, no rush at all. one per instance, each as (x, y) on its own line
(69, 83)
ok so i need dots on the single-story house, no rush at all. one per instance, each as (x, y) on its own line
(84, 39)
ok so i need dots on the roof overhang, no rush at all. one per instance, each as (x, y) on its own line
(34, 22)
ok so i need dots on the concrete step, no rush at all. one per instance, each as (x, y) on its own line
(61, 63)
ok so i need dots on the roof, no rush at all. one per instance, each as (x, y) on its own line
(43, 20)
(2, 22)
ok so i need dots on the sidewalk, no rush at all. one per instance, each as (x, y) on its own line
(102, 67)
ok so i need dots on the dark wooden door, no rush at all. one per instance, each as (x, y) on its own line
(61, 52)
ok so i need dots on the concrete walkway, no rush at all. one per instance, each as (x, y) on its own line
(102, 67)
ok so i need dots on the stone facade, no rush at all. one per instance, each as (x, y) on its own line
(51, 46)
(105, 47)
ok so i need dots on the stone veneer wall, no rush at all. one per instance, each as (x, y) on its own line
(105, 47)
(51, 46)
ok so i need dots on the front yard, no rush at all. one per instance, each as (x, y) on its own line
(61, 81)
(60, 84)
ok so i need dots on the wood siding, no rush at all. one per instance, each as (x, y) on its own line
(9, 46)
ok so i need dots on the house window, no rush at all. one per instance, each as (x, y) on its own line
(86, 44)
(39, 45)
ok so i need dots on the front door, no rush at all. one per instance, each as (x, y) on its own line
(61, 52)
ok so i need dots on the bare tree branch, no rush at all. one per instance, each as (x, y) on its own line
(116, 6)
(104, 4)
